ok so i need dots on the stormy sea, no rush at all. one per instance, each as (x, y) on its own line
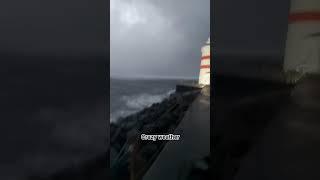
(128, 96)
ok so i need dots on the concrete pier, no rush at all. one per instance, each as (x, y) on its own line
(194, 143)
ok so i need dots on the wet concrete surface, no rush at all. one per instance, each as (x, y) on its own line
(194, 143)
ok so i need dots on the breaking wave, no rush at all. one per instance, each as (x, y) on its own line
(121, 113)
(137, 102)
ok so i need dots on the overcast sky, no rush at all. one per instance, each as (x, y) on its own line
(158, 37)
(148, 37)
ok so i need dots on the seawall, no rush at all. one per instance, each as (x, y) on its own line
(129, 154)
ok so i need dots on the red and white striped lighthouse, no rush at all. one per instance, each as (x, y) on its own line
(204, 76)
(302, 54)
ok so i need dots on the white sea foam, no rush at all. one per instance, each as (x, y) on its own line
(138, 102)
(120, 113)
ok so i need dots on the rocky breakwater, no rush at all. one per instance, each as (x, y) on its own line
(130, 157)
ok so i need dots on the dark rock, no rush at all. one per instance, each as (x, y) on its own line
(171, 128)
(149, 150)
(117, 146)
(166, 120)
(184, 107)
(129, 124)
(133, 134)
(159, 118)
(113, 154)
(144, 117)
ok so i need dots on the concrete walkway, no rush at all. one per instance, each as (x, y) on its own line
(194, 143)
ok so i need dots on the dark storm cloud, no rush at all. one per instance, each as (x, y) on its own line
(55, 27)
(250, 27)
(158, 37)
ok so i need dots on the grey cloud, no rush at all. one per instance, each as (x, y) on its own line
(158, 38)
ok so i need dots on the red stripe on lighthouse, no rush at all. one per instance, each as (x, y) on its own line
(205, 67)
(205, 57)
(304, 16)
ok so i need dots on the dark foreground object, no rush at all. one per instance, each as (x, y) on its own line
(93, 169)
(41, 98)
(271, 134)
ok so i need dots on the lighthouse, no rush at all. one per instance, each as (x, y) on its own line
(302, 53)
(204, 76)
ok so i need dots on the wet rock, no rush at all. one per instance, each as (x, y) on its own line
(171, 128)
(149, 128)
(159, 118)
(148, 150)
(129, 124)
(133, 134)
(113, 128)
(117, 146)
(113, 154)
(165, 121)
(184, 107)
(144, 117)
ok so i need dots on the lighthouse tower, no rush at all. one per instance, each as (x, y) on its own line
(204, 76)
(302, 54)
